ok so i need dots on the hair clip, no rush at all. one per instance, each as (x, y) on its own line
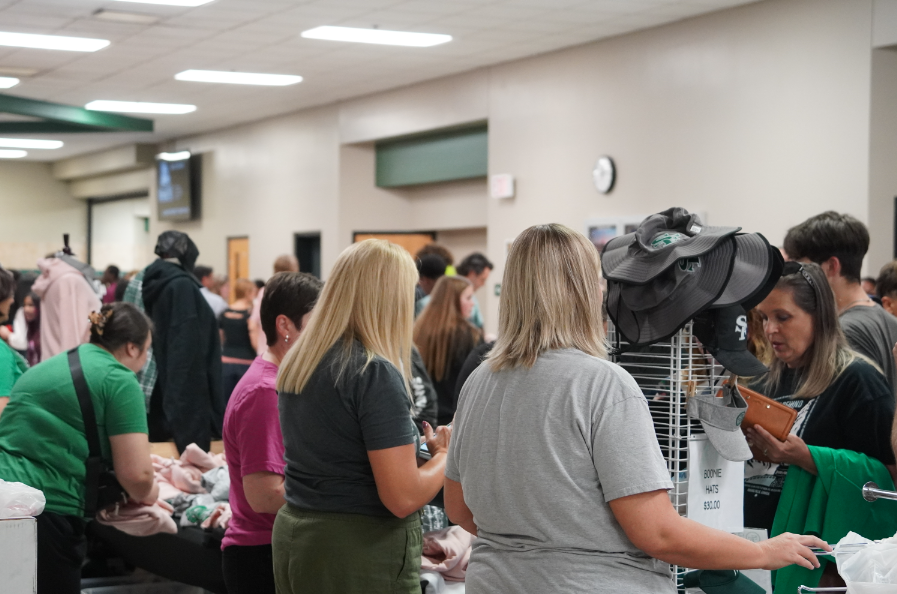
(99, 320)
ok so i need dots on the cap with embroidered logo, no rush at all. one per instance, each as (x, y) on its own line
(724, 332)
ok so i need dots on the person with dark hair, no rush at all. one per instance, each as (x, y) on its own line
(12, 365)
(441, 251)
(43, 443)
(110, 280)
(283, 263)
(476, 268)
(25, 335)
(886, 287)
(187, 400)
(430, 268)
(206, 278)
(868, 283)
(838, 243)
(253, 440)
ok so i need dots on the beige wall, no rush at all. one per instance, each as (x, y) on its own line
(882, 159)
(266, 181)
(35, 210)
(758, 116)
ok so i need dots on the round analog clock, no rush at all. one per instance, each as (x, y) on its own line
(604, 174)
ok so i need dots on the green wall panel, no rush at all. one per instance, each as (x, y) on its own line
(436, 157)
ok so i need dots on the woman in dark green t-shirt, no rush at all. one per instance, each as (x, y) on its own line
(43, 443)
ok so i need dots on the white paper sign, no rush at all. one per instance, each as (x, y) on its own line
(715, 487)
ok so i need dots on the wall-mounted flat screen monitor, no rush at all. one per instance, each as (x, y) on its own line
(177, 186)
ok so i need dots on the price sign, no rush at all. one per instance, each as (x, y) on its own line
(715, 487)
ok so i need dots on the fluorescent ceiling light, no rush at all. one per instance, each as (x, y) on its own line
(238, 78)
(117, 16)
(53, 42)
(12, 154)
(179, 156)
(8, 82)
(378, 36)
(188, 3)
(139, 107)
(31, 143)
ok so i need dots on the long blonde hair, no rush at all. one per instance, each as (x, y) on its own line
(369, 297)
(441, 329)
(551, 297)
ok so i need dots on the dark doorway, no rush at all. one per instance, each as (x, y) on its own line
(308, 252)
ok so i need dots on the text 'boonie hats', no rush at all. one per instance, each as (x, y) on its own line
(721, 419)
(659, 242)
(724, 332)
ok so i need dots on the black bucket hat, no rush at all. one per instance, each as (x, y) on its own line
(724, 332)
(660, 241)
(645, 314)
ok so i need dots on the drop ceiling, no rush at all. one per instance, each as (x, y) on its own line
(263, 36)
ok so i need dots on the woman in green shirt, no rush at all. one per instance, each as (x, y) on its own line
(12, 365)
(43, 442)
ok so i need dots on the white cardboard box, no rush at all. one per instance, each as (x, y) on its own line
(18, 551)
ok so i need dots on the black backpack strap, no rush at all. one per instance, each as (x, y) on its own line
(83, 392)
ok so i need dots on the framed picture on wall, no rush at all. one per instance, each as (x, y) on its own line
(600, 231)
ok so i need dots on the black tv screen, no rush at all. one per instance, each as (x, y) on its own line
(177, 186)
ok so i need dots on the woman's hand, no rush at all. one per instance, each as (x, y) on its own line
(437, 441)
(791, 549)
(793, 450)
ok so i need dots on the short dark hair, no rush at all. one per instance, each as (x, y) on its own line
(431, 266)
(7, 284)
(828, 235)
(439, 250)
(290, 294)
(118, 324)
(113, 271)
(475, 262)
(886, 284)
(200, 272)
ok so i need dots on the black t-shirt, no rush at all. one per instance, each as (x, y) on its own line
(237, 343)
(463, 343)
(331, 425)
(854, 413)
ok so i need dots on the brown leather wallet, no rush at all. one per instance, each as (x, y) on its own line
(773, 416)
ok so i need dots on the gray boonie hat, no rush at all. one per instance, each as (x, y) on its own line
(660, 241)
(721, 419)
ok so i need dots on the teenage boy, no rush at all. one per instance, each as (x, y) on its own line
(838, 243)
(476, 268)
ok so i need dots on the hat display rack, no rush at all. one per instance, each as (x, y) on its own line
(669, 372)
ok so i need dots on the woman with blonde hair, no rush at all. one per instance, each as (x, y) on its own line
(554, 463)
(445, 338)
(353, 485)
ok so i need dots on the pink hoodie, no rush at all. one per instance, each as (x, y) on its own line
(66, 301)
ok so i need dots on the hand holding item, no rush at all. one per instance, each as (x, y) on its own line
(791, 549)
(437, 441)
(793, 450)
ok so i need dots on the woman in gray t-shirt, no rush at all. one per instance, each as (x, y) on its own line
(554, 463)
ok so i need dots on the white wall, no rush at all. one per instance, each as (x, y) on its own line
(35, 210)
(758, 115)
(119, 235)
(882, 159)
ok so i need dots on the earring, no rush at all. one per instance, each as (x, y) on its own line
(287, 338)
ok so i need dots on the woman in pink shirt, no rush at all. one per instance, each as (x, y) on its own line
(253, 441)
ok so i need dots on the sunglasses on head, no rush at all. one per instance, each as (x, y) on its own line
(795, 267)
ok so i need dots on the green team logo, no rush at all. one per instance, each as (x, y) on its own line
(739, 419)
(689, 264)
(666, 238)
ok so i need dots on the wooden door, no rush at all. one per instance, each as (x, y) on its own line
(237, 262)
(410, 241)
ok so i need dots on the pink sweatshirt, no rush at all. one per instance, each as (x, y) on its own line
(66, 301)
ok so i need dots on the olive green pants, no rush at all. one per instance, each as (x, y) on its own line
(330, 553)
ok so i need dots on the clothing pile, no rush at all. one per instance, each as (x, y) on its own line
(446, 554)
(674, 269)
(196, 486)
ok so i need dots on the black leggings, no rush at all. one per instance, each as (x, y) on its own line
(248, 570)
(61, 548)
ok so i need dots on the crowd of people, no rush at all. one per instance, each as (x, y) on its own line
(346, 407)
